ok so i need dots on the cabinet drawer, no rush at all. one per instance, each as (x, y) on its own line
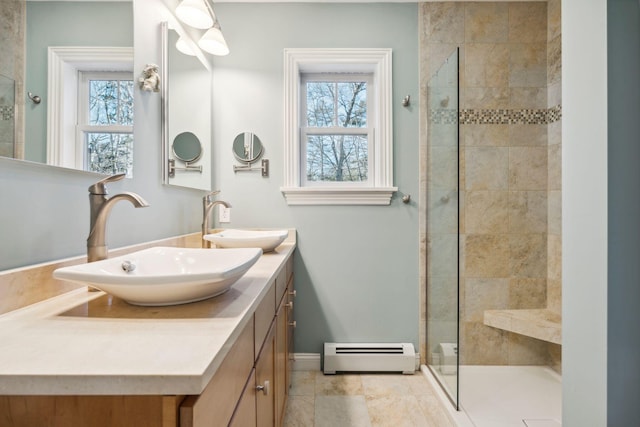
(289, 268)
(214, 407)
(263, 317)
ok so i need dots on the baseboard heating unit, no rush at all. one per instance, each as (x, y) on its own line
(369, 357)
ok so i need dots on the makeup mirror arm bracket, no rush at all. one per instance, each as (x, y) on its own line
(247, 167)
(187, 168)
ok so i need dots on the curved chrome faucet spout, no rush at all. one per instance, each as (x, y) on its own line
(100, 208)
(207, 205)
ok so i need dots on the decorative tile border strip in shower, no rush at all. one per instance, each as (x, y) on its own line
(498, 116)
(6, 112)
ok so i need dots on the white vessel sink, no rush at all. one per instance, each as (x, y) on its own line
(164, 275)
(267, 240)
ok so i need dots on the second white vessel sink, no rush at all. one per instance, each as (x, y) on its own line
(165, 275)
(267, 240)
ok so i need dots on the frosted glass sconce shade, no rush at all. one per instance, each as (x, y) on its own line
(213, 42)
(184, 47)
(195, 14)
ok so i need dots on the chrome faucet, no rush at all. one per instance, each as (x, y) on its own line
(100, 208)
(207, 205)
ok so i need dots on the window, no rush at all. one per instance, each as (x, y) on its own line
(338, 136)
(105, 122)
(68, 101)
(335, 133)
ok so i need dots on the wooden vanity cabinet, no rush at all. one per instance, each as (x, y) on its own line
(249, 389)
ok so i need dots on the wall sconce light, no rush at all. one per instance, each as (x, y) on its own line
(184, 47)
(199, 14)
(213, 41)
(195, 13)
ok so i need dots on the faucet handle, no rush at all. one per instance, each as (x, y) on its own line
(207, 198)
(100, 187)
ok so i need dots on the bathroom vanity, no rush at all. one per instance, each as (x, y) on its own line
(89, 359)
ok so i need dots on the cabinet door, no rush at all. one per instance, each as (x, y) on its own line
(265, 373)
(291, 325)
(245, 415)
(281, 362)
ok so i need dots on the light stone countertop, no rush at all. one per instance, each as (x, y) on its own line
(90, 343)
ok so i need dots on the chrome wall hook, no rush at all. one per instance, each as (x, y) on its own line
(406, 101)
(35, 98)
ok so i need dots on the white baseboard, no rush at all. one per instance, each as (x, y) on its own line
(306, 361)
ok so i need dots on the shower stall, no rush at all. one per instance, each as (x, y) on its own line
(498, 378)
(491, 181)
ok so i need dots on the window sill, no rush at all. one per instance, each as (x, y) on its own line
(338, 196)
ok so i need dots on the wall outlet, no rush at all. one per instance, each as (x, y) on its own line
(224, 214)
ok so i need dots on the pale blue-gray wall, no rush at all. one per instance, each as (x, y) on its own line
(65, 24)
(623, 329)
(356, 267)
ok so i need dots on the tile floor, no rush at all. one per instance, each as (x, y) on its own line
(375, 400)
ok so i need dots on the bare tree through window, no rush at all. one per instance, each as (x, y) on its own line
(337, 136)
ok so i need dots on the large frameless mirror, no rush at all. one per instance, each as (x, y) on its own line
(71, 67)
(186, 117)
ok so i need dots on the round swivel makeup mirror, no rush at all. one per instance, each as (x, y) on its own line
(247, 147)
(187, 147)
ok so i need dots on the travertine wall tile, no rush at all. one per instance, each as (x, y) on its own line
(528, 255)
(527, 135)
(527, 212)
(553, 19)
(444, 291)
(524, 350)
(443, 22)
(528, 65)
(554, 60)
(554, 202)
(486, 22)
(487, 65)
(484, 294)
(443, 175)
(484, 345)
(528, 97)
(527, 293)
(487, 212)
(528, 168)
(442, 254)
(527, 22)
(554, 94)
(486, 255)
(487, 168)
(485, 98)
(443, 211)
(485, 135)
(555, 257)
(554, 295)
(555, 353)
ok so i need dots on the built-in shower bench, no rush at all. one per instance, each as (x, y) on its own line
(542, 324)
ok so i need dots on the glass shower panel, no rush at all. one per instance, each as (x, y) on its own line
(443, 225)
(7, 116)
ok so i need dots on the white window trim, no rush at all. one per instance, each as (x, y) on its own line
(64, 62)
(380, 188)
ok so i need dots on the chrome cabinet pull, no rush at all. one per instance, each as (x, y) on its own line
(264, 388)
